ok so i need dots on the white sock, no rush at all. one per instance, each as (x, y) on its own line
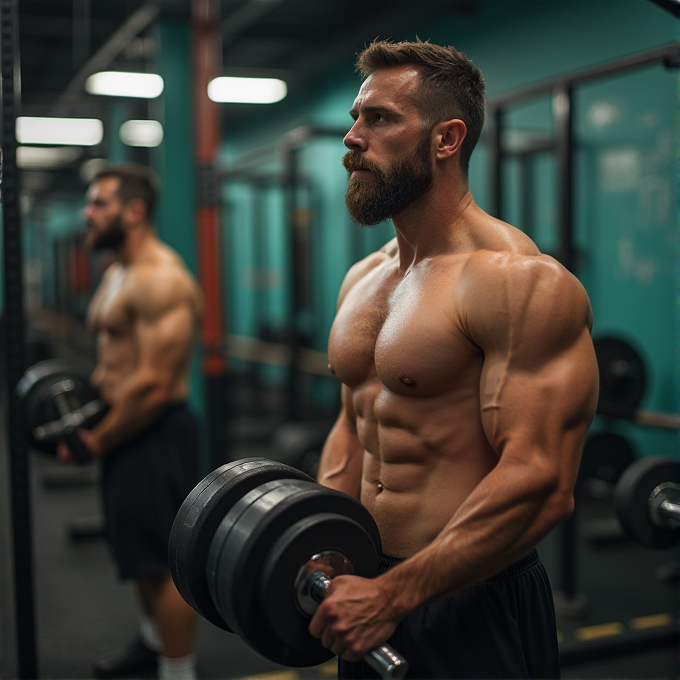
(149, 633)
(177, 669)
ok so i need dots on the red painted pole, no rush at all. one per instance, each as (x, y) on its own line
(206, 65)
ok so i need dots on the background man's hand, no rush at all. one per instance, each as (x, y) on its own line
(354, 618)
(64, 454)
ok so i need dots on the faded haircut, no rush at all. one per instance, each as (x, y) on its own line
(135, 181)
(451, 86)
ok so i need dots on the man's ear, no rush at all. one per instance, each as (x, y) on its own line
(450, 136)
(136, 210)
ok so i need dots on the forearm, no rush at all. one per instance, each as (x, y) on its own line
(505, 517)
(139, 401)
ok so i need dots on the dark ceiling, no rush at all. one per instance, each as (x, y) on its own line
(63, 41)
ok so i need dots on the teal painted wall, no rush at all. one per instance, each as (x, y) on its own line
(626, 165)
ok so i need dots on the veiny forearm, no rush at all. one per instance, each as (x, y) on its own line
(507, 515)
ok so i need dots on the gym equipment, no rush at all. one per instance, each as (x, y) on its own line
(299, 444)
(200, 515)
(276, 546)
(622, 377)
(56, 398)
(647, 501)
(606, 455)
(623, 381)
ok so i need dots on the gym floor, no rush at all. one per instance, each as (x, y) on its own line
(630, 594)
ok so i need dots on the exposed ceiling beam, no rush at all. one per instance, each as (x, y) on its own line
(138, 21)
(245, 17)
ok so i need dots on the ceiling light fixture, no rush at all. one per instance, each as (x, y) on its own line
(69, 131)
(32, 157)
(124, 84)
(141, 133)
(233, 90)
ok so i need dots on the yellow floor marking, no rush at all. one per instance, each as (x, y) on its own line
(654, 621)
(601, 631)
(274, 675)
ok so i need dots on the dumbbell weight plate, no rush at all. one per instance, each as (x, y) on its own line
(35, 395)
(623, 377)
(323, 532)
(200, 515)
(632, 495)
(242, 547)
(606, 455)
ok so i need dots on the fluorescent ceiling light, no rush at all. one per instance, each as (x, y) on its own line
(141, 133)
(71, 131)
(124, 84)
(29, 157)
(229, 89)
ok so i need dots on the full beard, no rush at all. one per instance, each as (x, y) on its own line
(111, 238)
(371, 201)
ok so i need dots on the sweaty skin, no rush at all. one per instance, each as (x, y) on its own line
(469, 381)
(144, 314)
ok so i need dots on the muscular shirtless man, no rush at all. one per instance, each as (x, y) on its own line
(469, 381)
(145, 315)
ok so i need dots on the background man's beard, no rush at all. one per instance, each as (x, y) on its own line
(110, 239)
(370, 201)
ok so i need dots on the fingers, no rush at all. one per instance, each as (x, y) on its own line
(63, 453)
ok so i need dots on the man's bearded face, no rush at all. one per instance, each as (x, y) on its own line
(371, 200)
(111, 237)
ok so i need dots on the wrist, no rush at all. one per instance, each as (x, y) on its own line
(398, 593)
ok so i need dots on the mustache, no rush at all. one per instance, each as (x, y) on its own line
(353, 160)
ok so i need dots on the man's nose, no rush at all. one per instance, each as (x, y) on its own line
(353, 140)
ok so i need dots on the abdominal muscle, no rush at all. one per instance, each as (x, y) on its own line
(420, 464)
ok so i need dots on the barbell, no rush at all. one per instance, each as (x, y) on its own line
(254, 547)
(647, 501)
(56, 397)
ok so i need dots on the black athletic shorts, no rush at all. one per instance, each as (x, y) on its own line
(500, 628)
(144, 482)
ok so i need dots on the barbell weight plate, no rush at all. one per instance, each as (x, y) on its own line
(294, 548)
(631, 500)
(36, 397)
(606, 455)
(623, 377)
(198, 518)
(242, 546)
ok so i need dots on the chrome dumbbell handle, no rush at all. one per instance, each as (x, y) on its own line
(69, 420)
(311, 591)
(664, 505)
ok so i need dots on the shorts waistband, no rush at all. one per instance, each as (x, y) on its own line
(388, 560)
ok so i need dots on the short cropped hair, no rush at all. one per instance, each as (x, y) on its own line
(451, 85)
(135, 181)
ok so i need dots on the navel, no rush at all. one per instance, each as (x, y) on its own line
(381, 488)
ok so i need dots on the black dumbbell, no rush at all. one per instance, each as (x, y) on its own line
(56, 398)
(255, 556)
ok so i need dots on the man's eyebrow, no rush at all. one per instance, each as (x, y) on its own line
(373, 109)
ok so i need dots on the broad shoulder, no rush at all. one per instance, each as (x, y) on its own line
(160, 283)
(526, 294)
